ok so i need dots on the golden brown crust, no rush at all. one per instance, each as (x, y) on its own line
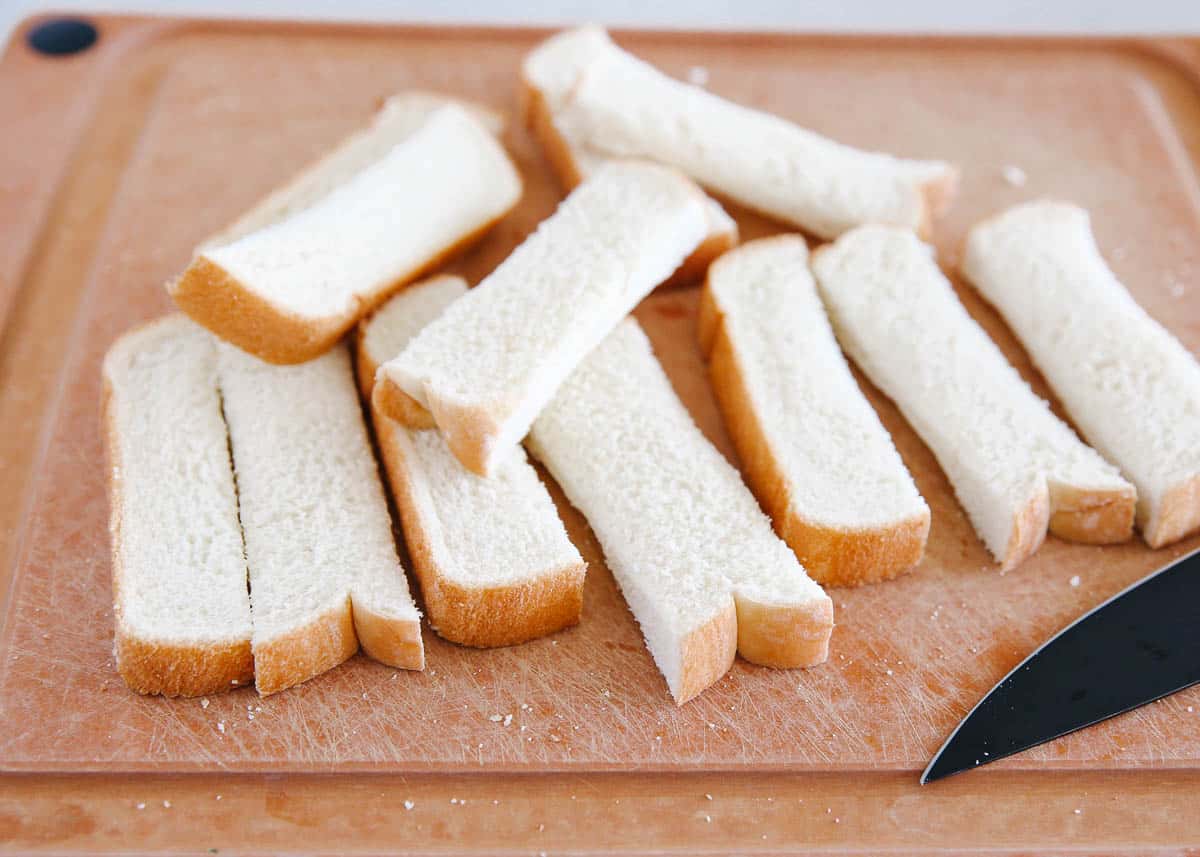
(1029, 530)
(220, 302)
(936, 196)
(396, 643)
(1092, 517)
(470, 430)
(385, 395)
(305, 652)
(155, 667)
(1178, 515)
(540, 123)
(181, 670)
(472, 616)
(832, 556)
(224, 305)
(784, 636)
(707, 654)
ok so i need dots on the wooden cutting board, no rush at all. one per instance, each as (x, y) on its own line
(115, 162)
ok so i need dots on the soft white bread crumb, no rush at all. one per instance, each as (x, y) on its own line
(812, 447)
(550, 72)
(324, 574)
(179, 576)
(494, 560)
(694, 556)
(1015, 467)
(1130, 386)
(398, 119)
(606, 99)
(288, 290)
(487, 366)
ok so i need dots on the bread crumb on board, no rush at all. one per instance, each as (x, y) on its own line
(1074, 581)
(408, 804)
(1014, 175)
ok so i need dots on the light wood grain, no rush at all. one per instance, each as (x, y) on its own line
(133, 153)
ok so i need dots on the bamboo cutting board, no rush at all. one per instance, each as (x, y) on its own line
(116, 162)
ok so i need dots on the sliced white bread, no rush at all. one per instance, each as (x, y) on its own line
(392, 203)
(812, 447)
(495, 564)
(179, 575)
(398, 118)
(1130, 386)
(549, 73)
(487, 366)
(695, 557)
(1016, 468)
(324, 574)
(585, 93)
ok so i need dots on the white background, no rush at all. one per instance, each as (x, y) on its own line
(1174, 17)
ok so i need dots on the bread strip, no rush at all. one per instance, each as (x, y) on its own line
(389, 205)
(595, 96)
(494, 560)
(1016, 468)
(1130, 386)
(573, 161)
(487, 366)
(324, 575)
(400, 116)
(812, 448)
(694, 556)
(179, 577)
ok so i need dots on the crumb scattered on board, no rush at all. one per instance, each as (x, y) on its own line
(1075, 580)
(1014, 175)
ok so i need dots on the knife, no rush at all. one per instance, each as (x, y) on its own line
(1138, 646)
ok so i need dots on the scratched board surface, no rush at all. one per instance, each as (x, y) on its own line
(224, 114)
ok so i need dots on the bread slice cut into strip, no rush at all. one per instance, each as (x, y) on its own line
(183, 623)
(696, 559)
(399, 117)
(495, 564)
(587, 93)
(1130, 386)
(389, 205)
(548, 75)
(812, 447)
(324, 573)
(487, 366)
(1017, 469)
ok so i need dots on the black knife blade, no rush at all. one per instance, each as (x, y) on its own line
(1138, 646)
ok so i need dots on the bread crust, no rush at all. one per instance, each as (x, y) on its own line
(384, 394)
(540, 122)
(832, 556)
(220, 302)
(707, 654)
(936, 196)
(784, 636)
(387, 396)
(305, 652)
(482, 617)
(1178, 515)
(155, 666)
(1028, 530)
(391, 641)
(1092, 517)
